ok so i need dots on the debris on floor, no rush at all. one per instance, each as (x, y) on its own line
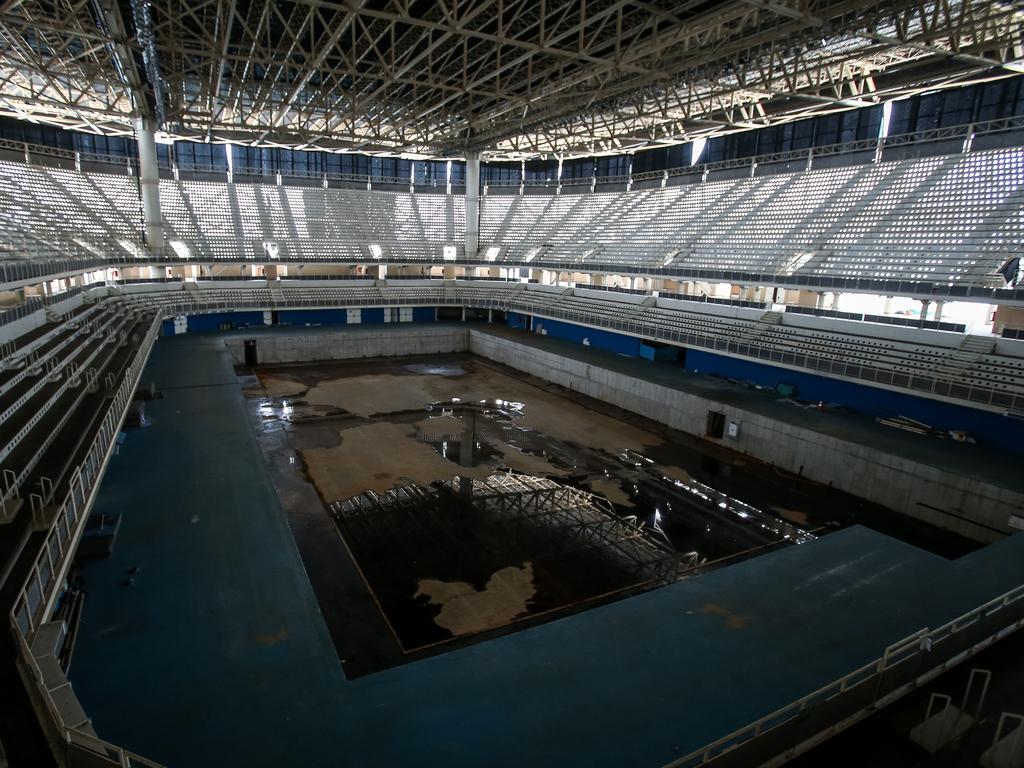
(908, 424)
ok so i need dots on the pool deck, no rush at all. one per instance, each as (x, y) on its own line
(218, 654)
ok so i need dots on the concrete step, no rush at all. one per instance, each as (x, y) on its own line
(940, 729)
(10, 509)
(67, 704)
(49, 639)
(1008, 750)
(978, 345)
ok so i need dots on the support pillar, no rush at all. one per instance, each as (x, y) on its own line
(937, 316)
(149, 184)
(472, 204)
(924, 309)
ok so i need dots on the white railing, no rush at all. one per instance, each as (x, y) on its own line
(964, 131)
(924, 641)
(954, 132)
(125, 163)
(717, 339)
(42, 585)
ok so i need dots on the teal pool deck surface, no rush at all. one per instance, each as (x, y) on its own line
(218, 655)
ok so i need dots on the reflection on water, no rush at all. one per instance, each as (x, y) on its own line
(687, 514)
(400, 423)
(685, 496)
(431, 369)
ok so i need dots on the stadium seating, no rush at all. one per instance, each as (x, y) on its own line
(216, 220)
(987, 379)
(42, 206)
(947, 219)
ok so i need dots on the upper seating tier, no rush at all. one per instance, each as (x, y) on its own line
(948, 220)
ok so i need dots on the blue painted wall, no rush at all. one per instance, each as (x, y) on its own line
(989, 428)
(312, 317)
(612, 342)
(198, 323)
(517, 320)
(285, 317)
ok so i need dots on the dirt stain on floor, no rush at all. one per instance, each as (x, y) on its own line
(793, 515)
(276, 638)
(465, 610)
(376, 457)
(373, 393)
(732, 620)
(611, 489)
(370, 394)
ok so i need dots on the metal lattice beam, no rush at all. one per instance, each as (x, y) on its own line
(512, 78)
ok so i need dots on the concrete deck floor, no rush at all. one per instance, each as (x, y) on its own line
(978, 460)
(218, 654)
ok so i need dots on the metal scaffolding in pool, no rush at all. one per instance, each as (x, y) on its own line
(534, 514)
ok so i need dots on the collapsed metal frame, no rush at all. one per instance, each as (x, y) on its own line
(520, 509)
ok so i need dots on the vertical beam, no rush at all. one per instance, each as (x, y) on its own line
(472, 204)
(149, 184)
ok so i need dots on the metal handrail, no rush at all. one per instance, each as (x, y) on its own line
(528, 302)
(962, 131)
(922, 641)
(22, 269)
(44, 578)
(45, 150)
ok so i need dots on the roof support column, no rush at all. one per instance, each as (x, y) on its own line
(149, 184)
(472, 204)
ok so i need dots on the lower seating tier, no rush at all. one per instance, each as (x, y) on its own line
(991, 381)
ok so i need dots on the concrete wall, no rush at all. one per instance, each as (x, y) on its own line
(349, 344)
(894, 481)
(897, 482)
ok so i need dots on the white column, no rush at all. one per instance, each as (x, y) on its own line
(149, 184)
(472, 204)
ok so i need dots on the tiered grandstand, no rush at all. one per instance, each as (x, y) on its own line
(947, 219)
(228, 222)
